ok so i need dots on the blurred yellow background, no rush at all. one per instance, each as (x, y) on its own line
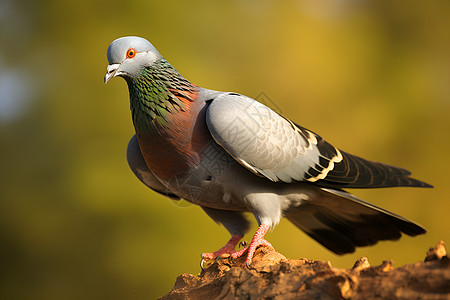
(372, 77)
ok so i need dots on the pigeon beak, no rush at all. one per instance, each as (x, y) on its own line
(111, 72)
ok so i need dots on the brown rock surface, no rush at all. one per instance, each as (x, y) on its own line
(273, 276)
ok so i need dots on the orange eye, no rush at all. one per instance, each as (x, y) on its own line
(131, 53)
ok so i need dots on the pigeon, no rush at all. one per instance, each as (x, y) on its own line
(230, 155)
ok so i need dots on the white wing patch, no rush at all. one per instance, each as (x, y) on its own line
(312, 139)
(265, 142)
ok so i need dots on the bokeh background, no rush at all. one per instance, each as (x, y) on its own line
(370, 76)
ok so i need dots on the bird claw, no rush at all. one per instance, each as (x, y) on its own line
(205, 263)
(201, 264)
(226, 251)
(248, 265)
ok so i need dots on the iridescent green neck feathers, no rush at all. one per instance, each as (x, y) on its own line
(156, 93)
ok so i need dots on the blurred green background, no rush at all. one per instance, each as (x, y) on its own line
(372, 77)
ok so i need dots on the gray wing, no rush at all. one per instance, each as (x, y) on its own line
(140, 169)
(262, 140)
(274, 147)
(341, 221)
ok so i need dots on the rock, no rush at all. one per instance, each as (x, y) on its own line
(273, 276)
(361, 264)
(436, 253)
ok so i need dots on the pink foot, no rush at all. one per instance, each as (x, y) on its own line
(258, 239)
(227, 249)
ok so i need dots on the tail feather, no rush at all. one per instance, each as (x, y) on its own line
(341, 222)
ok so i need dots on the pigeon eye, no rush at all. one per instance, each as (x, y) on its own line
(131, 53)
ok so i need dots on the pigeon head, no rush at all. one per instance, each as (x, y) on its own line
(127, 56)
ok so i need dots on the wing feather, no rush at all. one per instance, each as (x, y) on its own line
(272, 146)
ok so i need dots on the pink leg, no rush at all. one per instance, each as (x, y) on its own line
(227, 249)
(258, 239)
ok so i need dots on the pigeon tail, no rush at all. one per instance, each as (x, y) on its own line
(341, 222)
